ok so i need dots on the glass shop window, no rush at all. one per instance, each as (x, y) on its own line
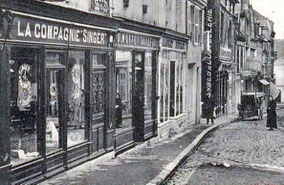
(124, 89)
(76, 98)
(54, 81)
(176, 87)
(148, 86)
(164, 86)
(23, 104)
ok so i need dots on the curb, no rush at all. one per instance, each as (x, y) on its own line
(170, 168)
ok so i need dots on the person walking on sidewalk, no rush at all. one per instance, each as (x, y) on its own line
(271, 114)
(209, 109)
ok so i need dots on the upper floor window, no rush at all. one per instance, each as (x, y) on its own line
(144, 9)
(125, 3)
(195, 24)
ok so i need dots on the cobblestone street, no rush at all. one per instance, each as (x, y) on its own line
(243, 152)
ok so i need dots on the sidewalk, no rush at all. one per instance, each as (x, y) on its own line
(147, 163)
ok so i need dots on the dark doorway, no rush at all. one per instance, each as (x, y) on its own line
(138, 94)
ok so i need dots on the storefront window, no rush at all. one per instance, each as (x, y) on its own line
(54, 99)
(173, 77)
(23, 105)
(148, 86)
(162, 97)
(171, 85)
(167, 86)
(164, 87)
(76, 98)
(124, 89)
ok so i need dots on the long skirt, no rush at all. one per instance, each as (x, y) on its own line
(271, 119)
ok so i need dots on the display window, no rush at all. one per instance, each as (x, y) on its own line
(171, 85)
(148, 86)
(54, 81)
(124, 89)
(24, 103)
(164, 86)
(76, 98)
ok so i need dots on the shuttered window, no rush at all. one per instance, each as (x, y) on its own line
(196, 26)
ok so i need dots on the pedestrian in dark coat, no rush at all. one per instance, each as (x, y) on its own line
(119, 108)
(271, 114)
(209, 109)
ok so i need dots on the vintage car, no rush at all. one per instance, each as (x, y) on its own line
(252, 104)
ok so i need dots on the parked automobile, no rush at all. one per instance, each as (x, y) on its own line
(252, 104)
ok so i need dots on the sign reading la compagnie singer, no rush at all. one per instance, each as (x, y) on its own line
(36, 30)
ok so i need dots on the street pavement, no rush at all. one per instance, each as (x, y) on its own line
(243, 152)
(135, 167)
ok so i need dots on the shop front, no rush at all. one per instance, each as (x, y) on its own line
(224, 83)
(135, 70)
(172, 91)
(58, 79)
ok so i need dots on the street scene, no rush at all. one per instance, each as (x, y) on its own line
(141, 92)
(244, 152)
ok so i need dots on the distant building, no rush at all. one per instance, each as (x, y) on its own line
(279, 76)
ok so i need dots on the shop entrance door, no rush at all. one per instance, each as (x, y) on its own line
(55, 72)
(98, 101)
(138, 95)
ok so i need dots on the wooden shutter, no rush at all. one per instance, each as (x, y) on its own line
(197, 26)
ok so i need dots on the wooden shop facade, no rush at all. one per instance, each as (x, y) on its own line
(74, 86)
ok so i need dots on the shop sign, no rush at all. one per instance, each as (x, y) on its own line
(101, 6)
(167, 43)
(50, 32)
(180, 45)
(225, 53)
(173, 44)
(137, 40)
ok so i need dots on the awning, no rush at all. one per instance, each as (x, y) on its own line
(264, 82)
(274, 91)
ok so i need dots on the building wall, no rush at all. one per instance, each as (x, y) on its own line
(168, 14)
(279, 75)
(92, 6)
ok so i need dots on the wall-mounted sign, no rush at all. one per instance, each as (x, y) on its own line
(180, 45)
(36, 30)
(101, 6)
(137, 40)
(169, 43)
(225, 54)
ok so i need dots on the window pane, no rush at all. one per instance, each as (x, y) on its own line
(124, 89)
(172, 88)
(52, 119)
(167, 86)
(23, 105)
(76, 98)
(148, 86)
(162, 96)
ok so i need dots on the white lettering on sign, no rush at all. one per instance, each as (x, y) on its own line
(20, 34)
(28, 30)
(37, 31)
(60, 33)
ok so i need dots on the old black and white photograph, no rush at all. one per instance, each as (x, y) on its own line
(141, 92)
